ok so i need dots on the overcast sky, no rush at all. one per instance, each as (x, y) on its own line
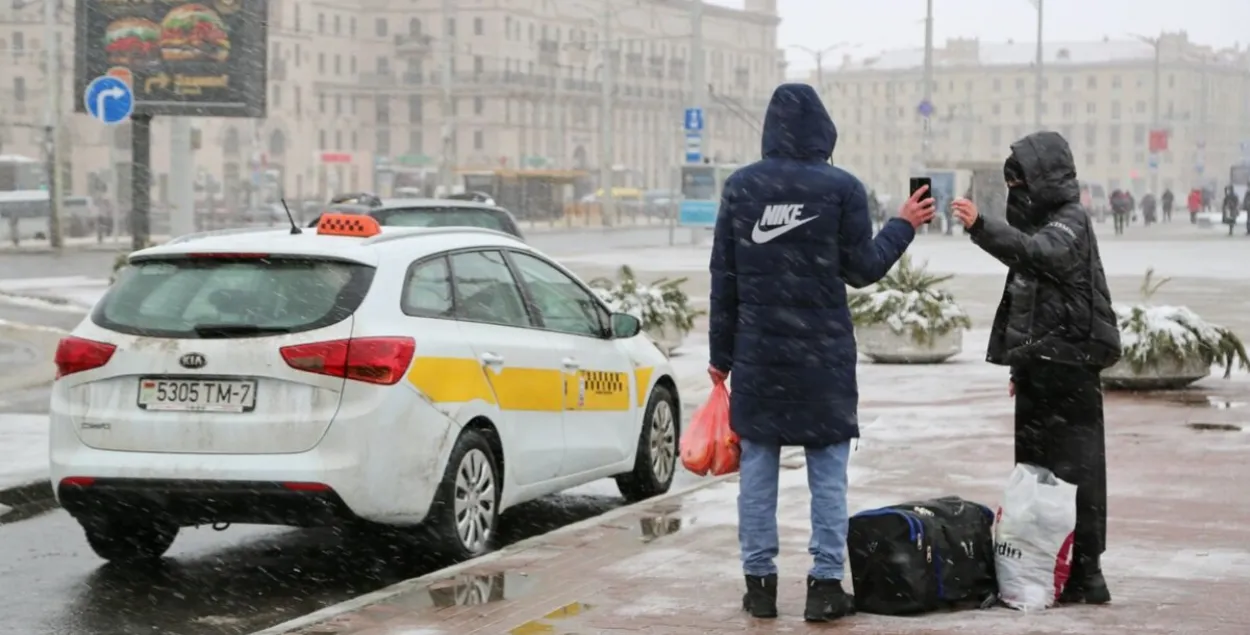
(890, 24)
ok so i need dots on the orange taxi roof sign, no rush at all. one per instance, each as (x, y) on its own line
(355, 225)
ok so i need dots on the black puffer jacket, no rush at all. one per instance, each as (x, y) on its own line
(1056, 305)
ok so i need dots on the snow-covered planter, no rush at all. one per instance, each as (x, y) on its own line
(1169, 347)
(906, 319)
(662, 306)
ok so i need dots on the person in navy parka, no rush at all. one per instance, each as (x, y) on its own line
(792, 231)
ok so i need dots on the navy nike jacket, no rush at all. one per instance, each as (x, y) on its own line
(792, 231)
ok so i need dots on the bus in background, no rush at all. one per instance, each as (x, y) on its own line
(19, 173)
(24, 215)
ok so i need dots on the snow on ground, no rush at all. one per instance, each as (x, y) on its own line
(24, 446)
(75, 294)
(1197, 258)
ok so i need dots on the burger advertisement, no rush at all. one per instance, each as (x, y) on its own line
(201, 59)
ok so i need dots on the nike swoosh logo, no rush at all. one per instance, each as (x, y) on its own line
(760, 235)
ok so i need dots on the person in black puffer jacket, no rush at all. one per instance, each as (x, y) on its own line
(1056, 330)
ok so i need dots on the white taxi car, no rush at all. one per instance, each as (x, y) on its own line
(400, 376)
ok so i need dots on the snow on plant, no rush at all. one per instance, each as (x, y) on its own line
(907, 300)
(660, 303)
(1153, 335)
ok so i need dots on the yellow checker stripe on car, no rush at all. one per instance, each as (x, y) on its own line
(598, 390)
(461, 380)
(642, 379)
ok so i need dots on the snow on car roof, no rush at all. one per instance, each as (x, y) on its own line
(414, 241)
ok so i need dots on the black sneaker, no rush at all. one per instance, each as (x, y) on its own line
(760, 600)
(1090, 588)
(826, 601)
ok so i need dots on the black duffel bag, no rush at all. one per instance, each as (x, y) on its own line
(923, 556)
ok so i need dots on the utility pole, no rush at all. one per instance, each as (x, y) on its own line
(698, 63)
(607, 128)
(52, 127)
(448, 164)
(927, 139)
(1038, 101)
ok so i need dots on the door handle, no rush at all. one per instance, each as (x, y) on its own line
(570, 364)
(492, 359)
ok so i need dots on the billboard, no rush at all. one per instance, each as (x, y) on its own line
(183, 59)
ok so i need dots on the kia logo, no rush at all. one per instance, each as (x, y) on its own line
(192, 360)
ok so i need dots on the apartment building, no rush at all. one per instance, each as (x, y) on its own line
(1099, 95)
(356, 89)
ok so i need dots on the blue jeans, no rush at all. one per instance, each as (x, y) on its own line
(757, 508)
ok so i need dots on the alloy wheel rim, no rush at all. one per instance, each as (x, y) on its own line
(663, 440)
(475, 500)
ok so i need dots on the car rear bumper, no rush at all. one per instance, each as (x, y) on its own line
(197, 502)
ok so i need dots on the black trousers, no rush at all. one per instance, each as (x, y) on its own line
(1121, 220)
(1059, 426)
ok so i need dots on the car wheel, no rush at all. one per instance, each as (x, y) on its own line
(134, 540)
(656, 461)
(465, 513)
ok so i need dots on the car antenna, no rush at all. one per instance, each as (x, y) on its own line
(295, 230)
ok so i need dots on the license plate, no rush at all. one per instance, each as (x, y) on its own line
(197, 395)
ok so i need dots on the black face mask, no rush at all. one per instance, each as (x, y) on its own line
(1019, 208)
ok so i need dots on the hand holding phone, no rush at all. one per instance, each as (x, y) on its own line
(919, 208)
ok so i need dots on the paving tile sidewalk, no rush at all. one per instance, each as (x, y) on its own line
(1178, 563)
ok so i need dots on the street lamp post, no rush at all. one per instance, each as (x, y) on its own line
(1040, 79)
(819, 57)
(448, 166)
(1154, 42)
(607, 128)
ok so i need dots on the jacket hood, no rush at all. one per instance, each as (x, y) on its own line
(1049, 169)
(797, 125)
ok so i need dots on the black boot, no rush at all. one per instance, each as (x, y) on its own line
(760, 600)
(1086, 585)
(826, 601)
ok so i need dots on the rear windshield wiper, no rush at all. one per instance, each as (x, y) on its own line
(209, 331)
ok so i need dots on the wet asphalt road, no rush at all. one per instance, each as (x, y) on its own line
(232, 582)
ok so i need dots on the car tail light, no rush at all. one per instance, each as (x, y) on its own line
(77, 481)
(375, 360)
(299, 486)
(75, 354)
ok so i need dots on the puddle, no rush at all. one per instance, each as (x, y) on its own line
(474, 589)
(545, 623)
(1199, 400)
(1214, 427)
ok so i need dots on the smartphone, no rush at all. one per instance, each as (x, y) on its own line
(918, 182)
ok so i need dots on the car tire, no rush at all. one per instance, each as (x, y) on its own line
(464, 517)
(127, 541)
(656, 459)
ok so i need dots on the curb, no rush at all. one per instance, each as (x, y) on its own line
(38, 492)
(413, 584)
(41, 372)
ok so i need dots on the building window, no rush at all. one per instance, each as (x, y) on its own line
(384, 66)
(384, 142)
(451, 27)
(479, 26)
(321, 23)
(382, 110)
(1067, 109)
(1114, 158)
(321, 63)
(1091, 135)
(996, 109)
(338, 104)
(1115, 81)
(1091, 108)
(276, 99)
(479, 65)
(1113, 136)
(479, 140)
(416, 142)
(321, 103)
(1020, 83)
(338, 139)
(1139, 134)
(1115, 110)
(338, 25)
(479, 105)
(1141, 107)
(322, 139)
(19, 84)
(379, 27)
(1091, 82)
(338, 64)
(1067, 83)
(352, 66)
(351, 27)
(998, 84)
(416, 111)
(19, 41)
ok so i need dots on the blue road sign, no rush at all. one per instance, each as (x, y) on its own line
(109, 100)
(694, 119)
(925, 108)
(1154, 161)
(694, 147)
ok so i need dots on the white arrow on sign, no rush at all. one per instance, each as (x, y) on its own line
(111, 93)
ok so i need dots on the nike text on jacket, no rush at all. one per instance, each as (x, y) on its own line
(790, 231)
(1056, 305)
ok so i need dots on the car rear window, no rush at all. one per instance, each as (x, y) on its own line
(446, 217)
(246, 296)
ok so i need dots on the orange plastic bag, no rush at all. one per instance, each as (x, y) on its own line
(709, 445)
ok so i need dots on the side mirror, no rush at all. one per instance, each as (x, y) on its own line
(625, 326)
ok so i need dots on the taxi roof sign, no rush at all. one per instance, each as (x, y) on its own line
(354, 225)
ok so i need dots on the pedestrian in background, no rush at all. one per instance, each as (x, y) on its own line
(1194, 204)
(791, 233)
(1167, 199)
(1119, 210)
(1055, 329)
(1229, 209)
